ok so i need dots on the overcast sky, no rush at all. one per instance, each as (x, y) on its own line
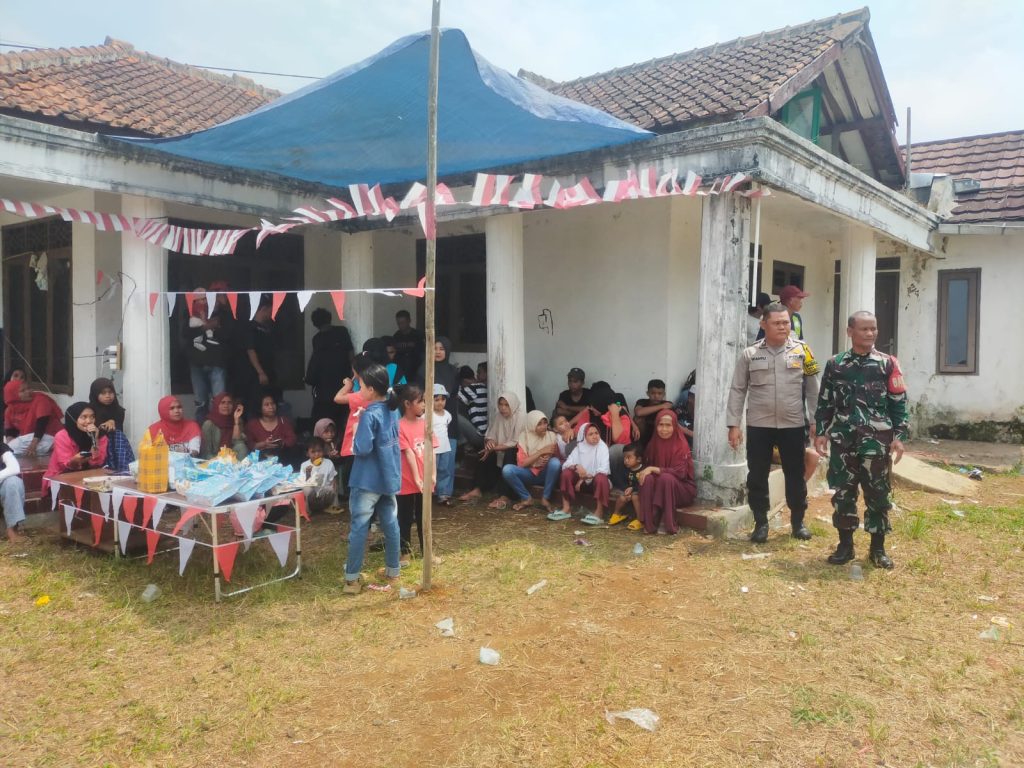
(957, 64)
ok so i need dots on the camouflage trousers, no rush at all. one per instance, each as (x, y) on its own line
(860, 458)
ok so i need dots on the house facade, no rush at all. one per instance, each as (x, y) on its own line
(648, 288)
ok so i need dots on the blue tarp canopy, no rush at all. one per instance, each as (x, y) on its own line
(368, 123)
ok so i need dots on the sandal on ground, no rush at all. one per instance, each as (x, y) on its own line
(616, 518)
(353, 587)
(498, 504)
(636, 525)
(519, 506)
(592, 519)
(558, 515)
(388, 581)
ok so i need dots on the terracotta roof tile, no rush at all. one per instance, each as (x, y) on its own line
(996, 159)
(722, 81)
(114, 88)
(990, 205)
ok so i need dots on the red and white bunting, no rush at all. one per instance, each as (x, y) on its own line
(185, 547)
(69, 515)
(488, 190)
(280, 543)
(124, 529)
(491, 189)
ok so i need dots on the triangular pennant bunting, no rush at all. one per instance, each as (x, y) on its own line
(54, 491)
(300, 504)
(280, 542)
(118, 494)
(171, 299)
(124, 529)
(158, 512)
(233, 303)
(104, 503)
(79, 493)
(419, 291)
(148, 505)
(338, 297)
(129, 505)
(211, 300)
(190, 303)
(254, 303)
(188, 514)
(152, 539)
(97, 529)
(185, 547)
(278, 300)
(226, 558)
(304, 297)
(152, 302)
(246, 514)
(69, 514)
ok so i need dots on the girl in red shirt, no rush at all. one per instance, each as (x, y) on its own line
(411, 440)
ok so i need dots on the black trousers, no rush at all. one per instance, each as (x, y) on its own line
(487, 475)
(410, 510)
(790, 442)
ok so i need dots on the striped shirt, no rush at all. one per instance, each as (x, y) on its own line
(474, 397)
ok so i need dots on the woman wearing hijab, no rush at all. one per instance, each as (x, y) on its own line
(110, 422)
(500, 445)
(666, 481)
(31, 419)
(447, 375)
(17, 373)
(223, 428)
(586, 468)
(78, 446)
(181, 435)
(537, 462)
(270, 433)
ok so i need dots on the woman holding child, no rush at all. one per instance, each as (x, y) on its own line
(666, 481)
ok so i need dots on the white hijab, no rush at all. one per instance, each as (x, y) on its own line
(506, 431)
(593, 458)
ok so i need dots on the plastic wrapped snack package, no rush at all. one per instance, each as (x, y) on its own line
(153, 464)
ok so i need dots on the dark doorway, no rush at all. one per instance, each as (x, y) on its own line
(461, 304)
(887, 303)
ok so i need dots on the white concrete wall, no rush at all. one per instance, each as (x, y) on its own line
(995, 393)
(783, 242)
(603, 274)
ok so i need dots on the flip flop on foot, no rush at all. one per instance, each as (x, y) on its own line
(498, 504)
(636, 525)
(471, 496)
(592, 519)
(558, 515)
(521, 505)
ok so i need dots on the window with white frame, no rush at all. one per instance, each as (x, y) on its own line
(958, 320)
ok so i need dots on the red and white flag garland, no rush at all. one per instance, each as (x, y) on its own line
(489, 190)
(124, 501)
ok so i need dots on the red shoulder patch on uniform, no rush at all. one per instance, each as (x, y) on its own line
(896, 384)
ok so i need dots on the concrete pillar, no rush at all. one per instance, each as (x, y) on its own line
(146, 359)
(721, 336)
(84, 292)
(357, 272)
(856, 276)
(506, 333)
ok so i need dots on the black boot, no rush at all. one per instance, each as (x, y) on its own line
(796, 523)
(878, 556)
(844, 552)
(760, 534)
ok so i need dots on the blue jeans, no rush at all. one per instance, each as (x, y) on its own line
(518, 478)
(12, 494)
(446, 470)
(207, 381)
(362, 505)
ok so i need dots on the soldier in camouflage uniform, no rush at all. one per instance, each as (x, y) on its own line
(862, 412)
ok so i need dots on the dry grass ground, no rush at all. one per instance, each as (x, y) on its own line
(804, 668)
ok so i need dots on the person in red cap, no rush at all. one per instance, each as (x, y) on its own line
(792, 298)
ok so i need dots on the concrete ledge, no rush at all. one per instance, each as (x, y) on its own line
(913, 473)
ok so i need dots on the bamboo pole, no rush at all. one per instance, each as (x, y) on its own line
(429, 356)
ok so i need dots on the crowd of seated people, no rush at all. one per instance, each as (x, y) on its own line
(635, 464)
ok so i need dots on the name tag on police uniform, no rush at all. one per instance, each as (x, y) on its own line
(795, 361)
